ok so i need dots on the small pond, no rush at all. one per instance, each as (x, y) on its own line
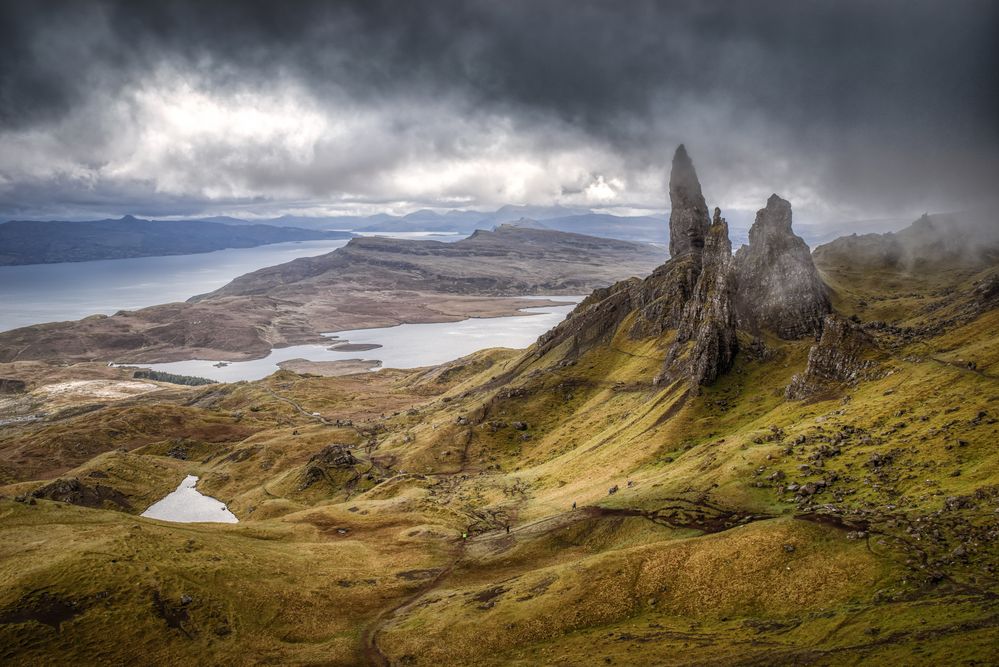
(187, 505)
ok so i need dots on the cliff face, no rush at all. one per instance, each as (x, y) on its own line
(779, 288)
(593, 321)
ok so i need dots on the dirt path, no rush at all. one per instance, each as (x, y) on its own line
(680, 513)
(373, 654)
(298, 407)
(964, 367)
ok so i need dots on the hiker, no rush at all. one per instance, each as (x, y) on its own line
(464, 535)
(573, 504)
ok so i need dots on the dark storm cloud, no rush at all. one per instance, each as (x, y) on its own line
(872, 103)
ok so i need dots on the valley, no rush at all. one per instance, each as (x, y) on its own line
(477, 333)
(775, 456)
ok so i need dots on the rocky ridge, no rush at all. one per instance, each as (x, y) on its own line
(842, 356)
(952, 240)
(704, 293)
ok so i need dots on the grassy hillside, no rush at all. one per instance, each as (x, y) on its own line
(609, 520)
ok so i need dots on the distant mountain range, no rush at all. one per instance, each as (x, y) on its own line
(645, 229)
(23, 242)
(33, 242)
(642, 228)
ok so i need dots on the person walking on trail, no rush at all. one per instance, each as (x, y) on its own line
(573, 504)
(464, 535)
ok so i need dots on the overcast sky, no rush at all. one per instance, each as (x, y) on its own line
(852, 110)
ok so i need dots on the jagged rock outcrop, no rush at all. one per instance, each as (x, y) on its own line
(322, 465)
(706, 342)
(661, 298)
(703, 293)
(779, 288)
(842, 356)
(72, 490)
(688, 218)
(660, 301)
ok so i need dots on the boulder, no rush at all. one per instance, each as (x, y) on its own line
(331, 458)
(12, 386)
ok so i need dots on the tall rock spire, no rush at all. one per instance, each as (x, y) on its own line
(688, 218)
(706, 341)
(779, 288)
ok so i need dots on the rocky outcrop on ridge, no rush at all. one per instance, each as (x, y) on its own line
(841, 357)
(779, 288)
(324, 464)
(663, 297)
(12, 386)
(703, 293)
(593, 321)
(968, 239)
